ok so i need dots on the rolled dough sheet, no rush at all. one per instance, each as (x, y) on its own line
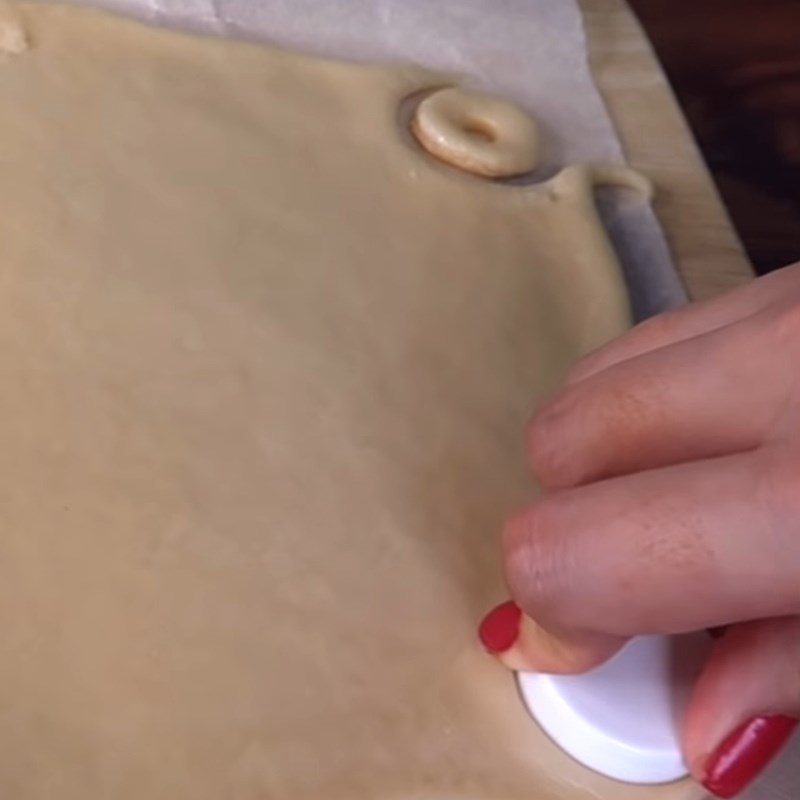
(265, 367)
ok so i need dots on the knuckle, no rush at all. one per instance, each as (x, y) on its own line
(547, 442)
(535, 561)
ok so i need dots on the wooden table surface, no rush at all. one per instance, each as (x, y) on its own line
(707, 251)
(656, 140)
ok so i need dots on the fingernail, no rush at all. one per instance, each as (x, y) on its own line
(500, 627)
(745, 753)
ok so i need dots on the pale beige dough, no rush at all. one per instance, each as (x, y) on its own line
(265, 366)
(13, 39)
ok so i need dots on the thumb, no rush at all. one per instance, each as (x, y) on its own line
(520, 643)
(745, 705)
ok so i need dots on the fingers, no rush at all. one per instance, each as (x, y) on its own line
(745, 704)
(521, 644)
(662, 551)
(692, 320)
(711, 395)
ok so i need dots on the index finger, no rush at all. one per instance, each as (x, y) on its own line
(664, 551)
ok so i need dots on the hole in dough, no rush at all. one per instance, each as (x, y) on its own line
(480, 129)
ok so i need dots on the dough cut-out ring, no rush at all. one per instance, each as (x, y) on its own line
(477, 133)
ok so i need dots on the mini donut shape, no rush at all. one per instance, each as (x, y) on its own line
(477, 133)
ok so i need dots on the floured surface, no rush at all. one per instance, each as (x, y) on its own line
(265, 370)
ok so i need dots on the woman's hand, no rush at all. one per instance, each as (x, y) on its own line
(670, 468)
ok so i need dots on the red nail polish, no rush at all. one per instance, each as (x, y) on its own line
(500, 627)
(745, 753)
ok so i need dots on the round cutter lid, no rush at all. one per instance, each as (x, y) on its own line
(622, 719)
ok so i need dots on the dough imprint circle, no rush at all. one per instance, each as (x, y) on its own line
(477, 133)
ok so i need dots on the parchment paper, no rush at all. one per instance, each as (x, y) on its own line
(533, 51)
